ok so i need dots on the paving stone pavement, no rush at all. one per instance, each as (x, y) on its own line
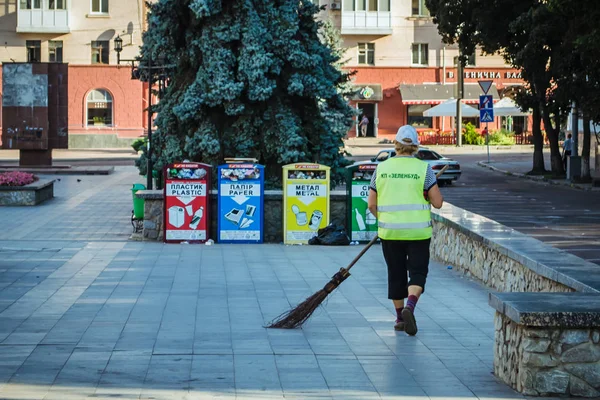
(94, 316)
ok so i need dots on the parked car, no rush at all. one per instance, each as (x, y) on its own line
(436, 160)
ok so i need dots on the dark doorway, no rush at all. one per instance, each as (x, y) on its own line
(367, 109)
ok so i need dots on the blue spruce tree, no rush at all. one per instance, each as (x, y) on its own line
(252, 78)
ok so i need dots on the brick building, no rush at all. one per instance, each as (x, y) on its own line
(405, 68)
(106, 107)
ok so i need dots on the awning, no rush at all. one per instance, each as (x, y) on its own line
(437, 93)
(367, 92)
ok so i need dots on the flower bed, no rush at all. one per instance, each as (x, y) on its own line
(24, 189)
(16, 178)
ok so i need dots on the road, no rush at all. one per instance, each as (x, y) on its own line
(563, 217)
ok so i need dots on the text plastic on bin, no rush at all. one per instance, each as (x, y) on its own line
(187, 208)
(362, 224)
(240, 208)
(305, 201)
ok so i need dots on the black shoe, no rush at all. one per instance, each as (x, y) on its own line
(399, 325)
(410, 324)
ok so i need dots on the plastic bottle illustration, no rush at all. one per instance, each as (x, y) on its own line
(360, 220)
(197, 218)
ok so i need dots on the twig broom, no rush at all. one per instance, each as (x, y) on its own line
(297, 316)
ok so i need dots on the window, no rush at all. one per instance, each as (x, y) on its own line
(34, 50)
(55, 51)
(366, 53)
(99, 6)
(57, 4)
(348, 5)
(416, 118)
(384, 5)
(420, 54)
(31, 4)
(99, 108)
(471, 60)
(419, 9)
(100, 51)
(384, 155)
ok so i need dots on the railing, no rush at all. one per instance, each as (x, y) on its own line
(43, 21)
(366, 23)
(437, 139)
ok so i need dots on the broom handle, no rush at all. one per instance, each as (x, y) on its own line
(372, 242)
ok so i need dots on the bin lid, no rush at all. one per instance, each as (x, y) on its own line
(241, 160)
(363, 165)
(305, 165)
(138, 186)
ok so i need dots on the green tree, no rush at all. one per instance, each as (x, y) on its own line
(577, 67)
(251, 79)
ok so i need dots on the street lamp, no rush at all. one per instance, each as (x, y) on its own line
(154, 73)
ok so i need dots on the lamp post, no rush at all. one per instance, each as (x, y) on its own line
(154, 73)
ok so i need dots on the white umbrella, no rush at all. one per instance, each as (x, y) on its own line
(448, 109)
(506, 107)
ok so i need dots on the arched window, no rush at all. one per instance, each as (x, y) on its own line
(99, 106)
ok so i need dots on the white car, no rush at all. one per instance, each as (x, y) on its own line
(436, 160)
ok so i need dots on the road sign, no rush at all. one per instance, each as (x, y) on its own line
(486, 115)
(485, 86)
(486, 102)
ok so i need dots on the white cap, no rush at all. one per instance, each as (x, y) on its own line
(407, 135)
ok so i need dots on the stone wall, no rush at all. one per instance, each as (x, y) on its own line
(547, 361)
(28, 195)
(483, 262)
(273, 225)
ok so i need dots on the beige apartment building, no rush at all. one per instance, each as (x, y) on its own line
(403, 68)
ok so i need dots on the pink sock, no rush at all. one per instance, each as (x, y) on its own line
(411, 303)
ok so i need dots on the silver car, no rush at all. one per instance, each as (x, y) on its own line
(436, 160)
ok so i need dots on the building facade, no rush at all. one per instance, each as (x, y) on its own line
(106, 106)
(403, 68)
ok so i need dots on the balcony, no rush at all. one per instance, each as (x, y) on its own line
(366, 23)
(39, 18)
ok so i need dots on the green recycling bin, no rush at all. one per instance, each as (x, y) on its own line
(362, 224)
(138, 204)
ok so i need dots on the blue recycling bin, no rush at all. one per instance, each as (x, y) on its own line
(240, 206)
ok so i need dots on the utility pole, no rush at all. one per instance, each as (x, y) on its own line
(149, 172)
(460, 87)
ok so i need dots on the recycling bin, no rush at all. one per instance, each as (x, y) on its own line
(240, 202)
(138, 204)
(186, 202)
(362, 224)
(305, 201)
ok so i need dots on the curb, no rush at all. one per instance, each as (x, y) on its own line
(539, 179)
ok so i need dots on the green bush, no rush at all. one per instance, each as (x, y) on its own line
(139, 144)
(471, 136)
(501, 138)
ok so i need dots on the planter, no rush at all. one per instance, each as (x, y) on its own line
(28, 195)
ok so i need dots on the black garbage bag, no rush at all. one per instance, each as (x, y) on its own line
(331, 235)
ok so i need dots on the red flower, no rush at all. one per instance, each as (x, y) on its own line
(17, 178)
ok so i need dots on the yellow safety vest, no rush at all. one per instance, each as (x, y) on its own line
(403, 212)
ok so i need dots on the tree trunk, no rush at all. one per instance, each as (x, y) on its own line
(585, 151)
(538, 144)
(556, 163)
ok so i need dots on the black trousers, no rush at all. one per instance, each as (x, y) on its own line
(403, 258)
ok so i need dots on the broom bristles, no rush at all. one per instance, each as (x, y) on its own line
(296, 317)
